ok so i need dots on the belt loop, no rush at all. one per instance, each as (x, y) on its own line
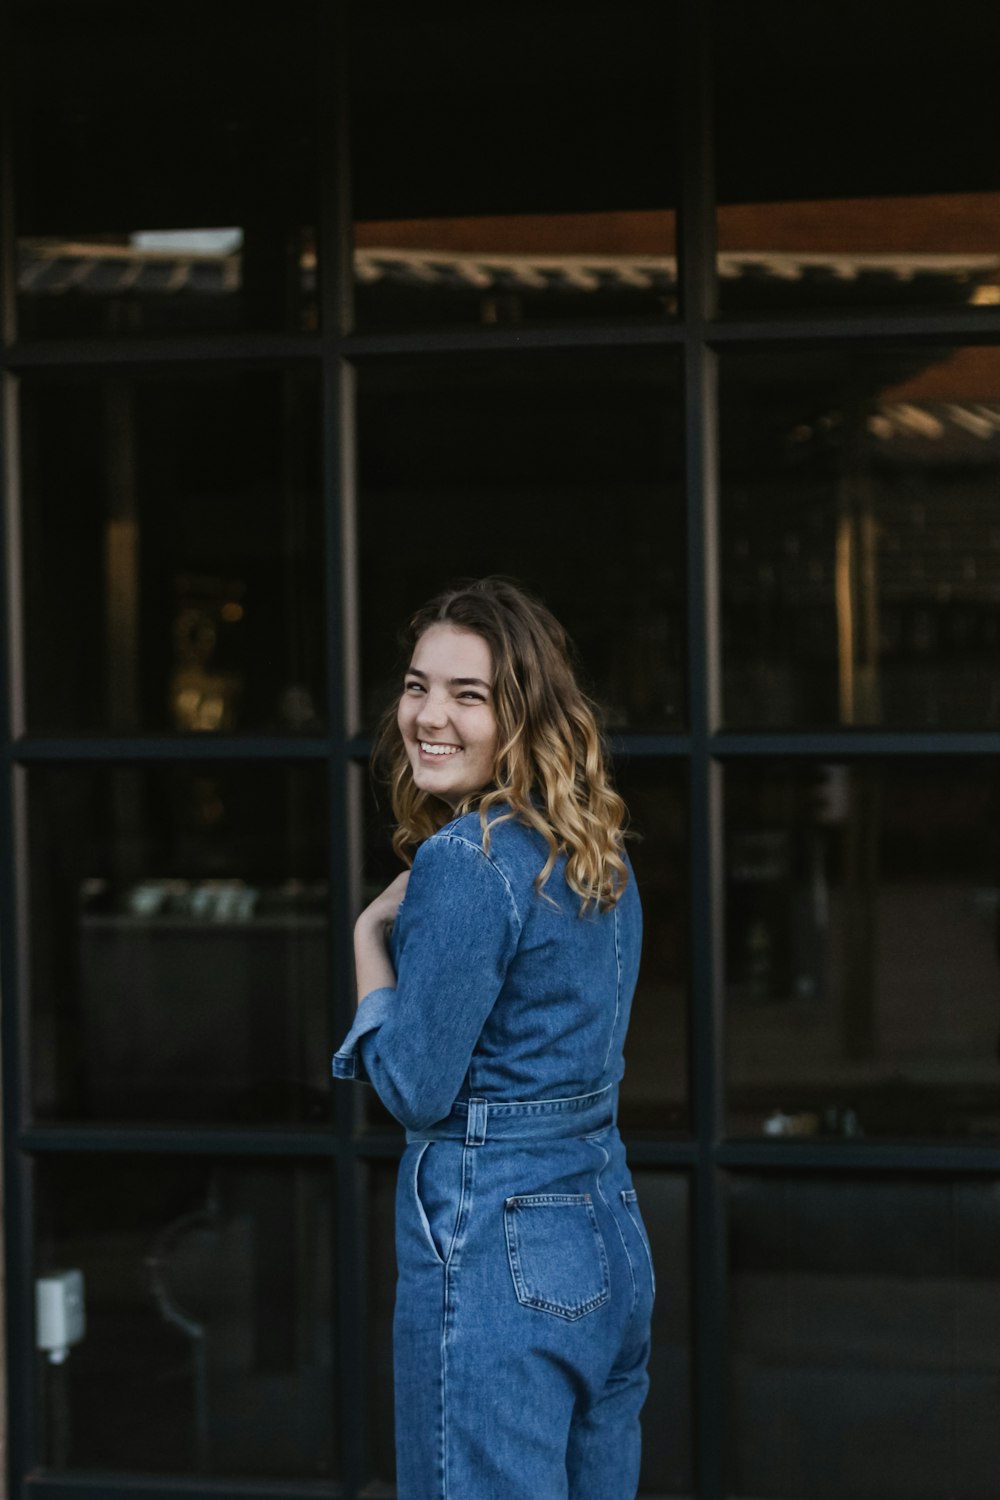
(475, 1130)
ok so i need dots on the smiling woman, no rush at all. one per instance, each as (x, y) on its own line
(491, 1018)
(445, 714)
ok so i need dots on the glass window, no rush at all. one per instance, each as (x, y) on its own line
(165, 168)
(381, 1281)
(865, 1321)
(862, 949)
(667, 1459)
(209, 1342)
(562, 471)
(522, 177)
(172, 547)
(179, 948)
(667, 1425)
(861, 537)
(654, 1091)
(839, 188)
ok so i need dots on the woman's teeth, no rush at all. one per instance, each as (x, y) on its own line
(439, 749)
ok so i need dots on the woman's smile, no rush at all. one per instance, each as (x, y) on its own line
(446, 716)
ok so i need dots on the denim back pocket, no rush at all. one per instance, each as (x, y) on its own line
(556, 1253)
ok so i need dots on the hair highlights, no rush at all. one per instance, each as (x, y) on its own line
(550, 770)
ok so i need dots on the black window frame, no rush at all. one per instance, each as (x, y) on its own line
(707, 1159)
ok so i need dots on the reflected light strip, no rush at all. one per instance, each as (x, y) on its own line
(845, 620)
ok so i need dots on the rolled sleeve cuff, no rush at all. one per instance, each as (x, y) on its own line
(372, 1011)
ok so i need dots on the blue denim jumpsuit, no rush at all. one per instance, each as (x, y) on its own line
(525, 1283)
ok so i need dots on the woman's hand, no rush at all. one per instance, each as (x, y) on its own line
(371, 955)
(382, 911)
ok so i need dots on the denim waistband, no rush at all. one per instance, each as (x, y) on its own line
(476, 1121)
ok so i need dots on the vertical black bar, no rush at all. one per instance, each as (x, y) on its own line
(8, 241)
(696, 255)
(17, 1187)
(19, 1415)
(335, 266)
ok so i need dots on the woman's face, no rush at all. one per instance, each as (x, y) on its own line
(446, 713)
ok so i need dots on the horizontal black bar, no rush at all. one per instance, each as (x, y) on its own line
(31, 748)
(935, 326)
(49, 1485)
(965, 326)
(241, 349)
(182, 1140)
(840, 744)
(824, 1154)
(818, 1155)
(362, 346)
(843, 744)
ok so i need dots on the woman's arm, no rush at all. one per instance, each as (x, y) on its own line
(372, 963)
(414, 1038)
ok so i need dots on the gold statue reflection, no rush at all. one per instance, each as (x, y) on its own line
(203, 695)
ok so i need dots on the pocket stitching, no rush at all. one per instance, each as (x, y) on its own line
(425, 1222)
(540, 1200)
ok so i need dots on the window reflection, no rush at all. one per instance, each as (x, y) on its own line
(490, 270)
(654, 1091)
(667, 1419)
(179, 943)
(145, 208)
(860, 253)
(857, 197)
(862, 949)
(860, 522)
(209, 1343)
(863, 1307)
(172, 539)
(494, 205)
(563, 472)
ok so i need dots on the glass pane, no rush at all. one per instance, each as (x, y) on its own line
(209, 1342)
(839, 188)
(667, 1462)
(862, 922)
(381, 1277)
(561, 471)
(517, 177)
(667, 1420)
(654, 1091)
(173, 552)
(865, 1322)
(179, 943)
(861, 537)
(165, 168)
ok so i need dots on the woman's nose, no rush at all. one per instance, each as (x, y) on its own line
(433, 710)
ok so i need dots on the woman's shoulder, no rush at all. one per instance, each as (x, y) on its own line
(504, 840)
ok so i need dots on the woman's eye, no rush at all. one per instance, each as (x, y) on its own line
(413, 687)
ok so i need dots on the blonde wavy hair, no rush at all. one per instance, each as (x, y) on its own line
(550, 770)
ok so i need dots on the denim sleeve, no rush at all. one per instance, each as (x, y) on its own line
(414, 1043)
(373, 1010)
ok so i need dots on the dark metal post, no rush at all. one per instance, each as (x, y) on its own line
(335, 265)
(696, 250)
